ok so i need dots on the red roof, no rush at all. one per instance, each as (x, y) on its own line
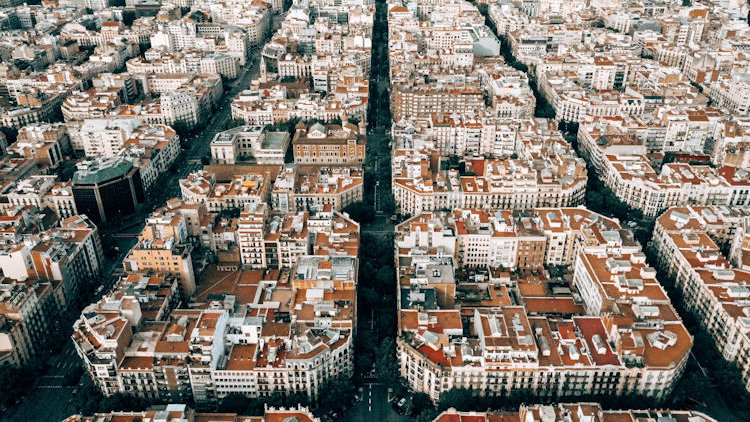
(436, 356)
(593, 326)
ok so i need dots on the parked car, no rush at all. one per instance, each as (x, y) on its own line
(399, 402)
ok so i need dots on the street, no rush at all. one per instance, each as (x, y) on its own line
(373, 405)
(50, 399)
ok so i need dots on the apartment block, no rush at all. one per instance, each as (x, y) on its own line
(179, 412)
(27, 313)
(420, 184)
(48, 144)
(313, 188)
(702, 249)
(90, 104)
(605, 327)
(252, 334)
(619, 157)
(232, 193)
(162, 247)
(69, 255)
(573, 411)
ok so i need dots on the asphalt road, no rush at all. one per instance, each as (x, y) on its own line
(372, 406)
(49, 399)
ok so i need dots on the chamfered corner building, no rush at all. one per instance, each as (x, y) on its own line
(107, 187)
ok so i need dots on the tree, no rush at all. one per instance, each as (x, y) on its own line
(254, 407)
(128, 16)
(16, 382)
(88, 398)
(687, 3)
(230, 213)
(385, 362)
(10, 134)
(233, 403)
(182, 128)
(687, 387)
(337, 391)
(233, 123)
(121, 401)
(368, 298)
(520, 66)
(388, 204)
(360, 212)
(594, 200)
(384, 278)
(420, 403)
(71, 378)
(461, 399)
(428, 415)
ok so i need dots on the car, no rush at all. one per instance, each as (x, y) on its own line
(399, 405)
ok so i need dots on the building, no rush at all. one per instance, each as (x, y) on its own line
(466, 323)
(107, 188)
(250, 231)
(181, 412)
(69, 256)
(312, 188)
(424, 100)
(153, 149)
(544, 175)
(163, 247)
(252, 334)
(691, 245)
(26, 315)
(573, 411)
(249, 144)
(732, 93)
(42, 192)
(620, 159)
(321, 144)
(231, 194)
(81, 105)
(105, 137)
(48, 144)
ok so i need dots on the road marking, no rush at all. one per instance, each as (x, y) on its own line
(369, 408)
